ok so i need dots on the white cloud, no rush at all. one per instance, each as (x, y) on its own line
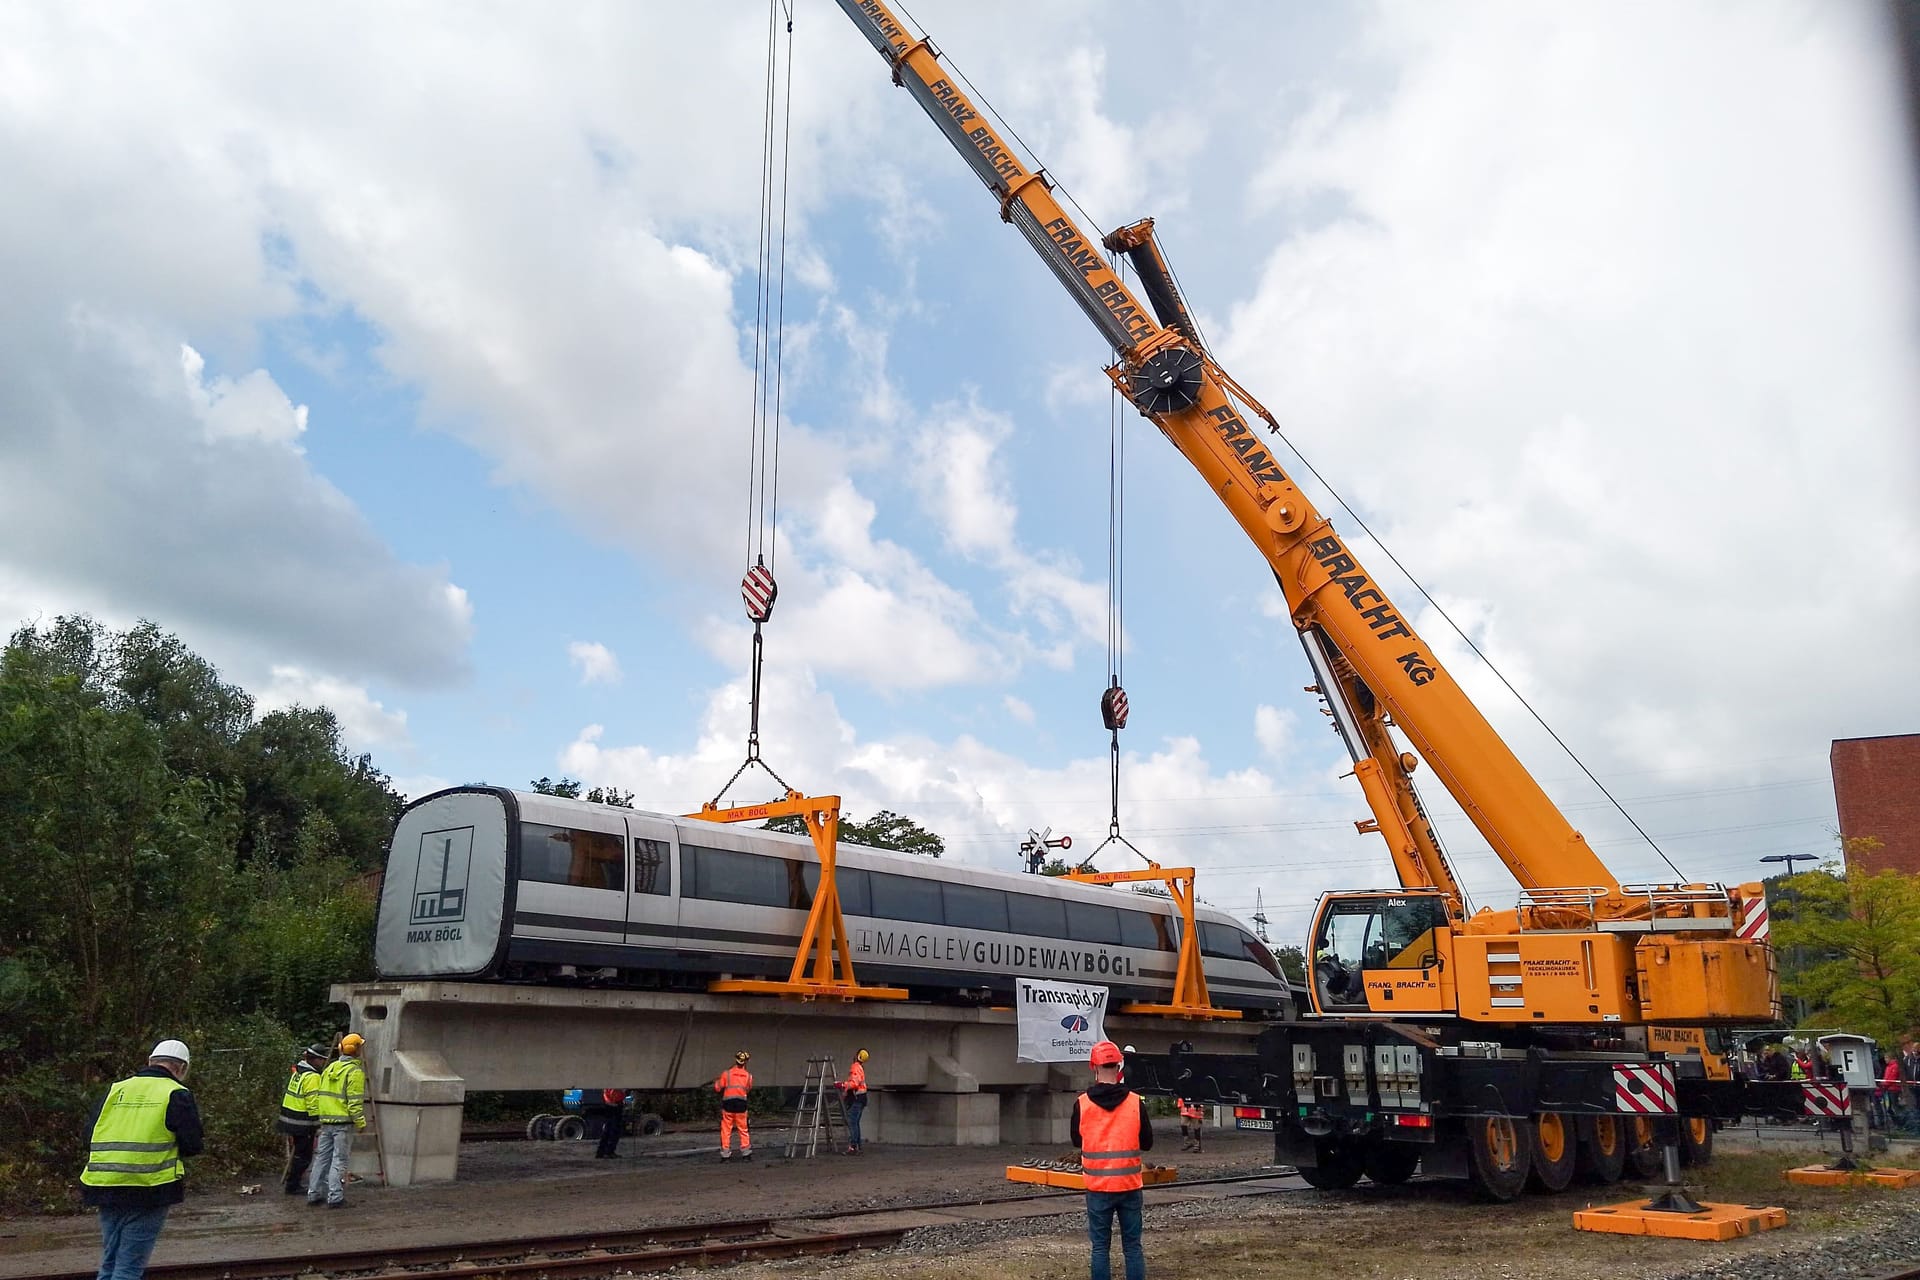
(1274, 728)
(252, 406)
(595, 662)
(1602, 314)
(365, 723)
(1018, 708)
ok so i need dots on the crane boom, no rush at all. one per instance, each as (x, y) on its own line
(1381, 667)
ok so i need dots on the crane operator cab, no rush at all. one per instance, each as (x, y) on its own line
(1382, 952)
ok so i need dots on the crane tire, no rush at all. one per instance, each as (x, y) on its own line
(1500, 1155)
(1555, 1148)
(570, 1129)
(1696, 1141)
(1643, 1149)
(1389, 1164)
(1602, 1154)
(651, 1125)
(1339, 1166)
(543, 1127)
(533, 1126)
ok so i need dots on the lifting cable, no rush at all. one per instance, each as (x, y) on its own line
(758, 590)
(1113, 702)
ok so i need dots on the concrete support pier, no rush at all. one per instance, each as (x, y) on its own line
(938, 1076)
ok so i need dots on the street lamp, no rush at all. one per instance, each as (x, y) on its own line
(1793, 956)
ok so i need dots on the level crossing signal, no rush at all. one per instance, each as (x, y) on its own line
(1034, 848)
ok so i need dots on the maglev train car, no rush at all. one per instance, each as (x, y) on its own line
(487, 883)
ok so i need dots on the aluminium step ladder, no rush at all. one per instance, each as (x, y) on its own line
(821, 1107)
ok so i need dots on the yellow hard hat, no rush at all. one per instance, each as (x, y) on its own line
(741, 1057)
(860, 1056)
(350, 1044)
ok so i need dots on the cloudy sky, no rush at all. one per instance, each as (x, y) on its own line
(401, 359)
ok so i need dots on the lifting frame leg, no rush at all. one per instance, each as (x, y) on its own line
(823, 965)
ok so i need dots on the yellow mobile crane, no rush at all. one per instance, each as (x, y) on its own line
(1499, 1041)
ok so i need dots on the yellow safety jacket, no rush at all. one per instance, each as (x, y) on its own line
(296, 1103)
(341, 1095)
(131, 1144)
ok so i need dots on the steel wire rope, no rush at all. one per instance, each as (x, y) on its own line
(780, 317)
(755, 460)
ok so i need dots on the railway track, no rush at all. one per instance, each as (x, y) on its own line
(604, 1253)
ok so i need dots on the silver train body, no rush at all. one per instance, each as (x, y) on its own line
(488, 883)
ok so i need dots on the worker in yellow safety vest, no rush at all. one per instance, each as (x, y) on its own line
(296, 1116)
(138, 1137)
(340, 1110)
(732, 1087)
(1111, 1128)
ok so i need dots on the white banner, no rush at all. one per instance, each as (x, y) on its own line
(1060, 1021)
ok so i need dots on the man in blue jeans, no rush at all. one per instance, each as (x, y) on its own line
(1111, 1128)
(139, 1135)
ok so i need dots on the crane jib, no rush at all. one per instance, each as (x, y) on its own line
(1234, 432)
(1371, 604)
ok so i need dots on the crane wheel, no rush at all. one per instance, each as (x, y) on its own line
(1554, 1148)
(1339, 1166)
(570, 1129)
(1501, 1155)
(1696, 1141)
(1602, 1153)
(1643, 1150)
(650, 1125)
(1391, 1163)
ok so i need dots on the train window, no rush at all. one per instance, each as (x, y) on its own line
(1258, 952)
(906, 898)
(1139, 929)
(722, 875)
(1092, 922)
(1041, 917)
(971, 907)
(856, 894)
(652, 871)
(1221, 940)
(560, 855)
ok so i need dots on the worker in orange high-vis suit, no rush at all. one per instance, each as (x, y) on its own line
(853, 1090)
(1192, 1117)
(1111, 1128)
(732, 1087)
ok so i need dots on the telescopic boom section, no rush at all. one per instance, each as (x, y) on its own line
(1166, 375)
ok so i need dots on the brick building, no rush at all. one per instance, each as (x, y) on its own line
(1876, 784)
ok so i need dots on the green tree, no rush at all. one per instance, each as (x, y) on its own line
(1859, 935)
(1055, 867)
(172, 867)
(1293, 963)
(884, 830)
(569, 789)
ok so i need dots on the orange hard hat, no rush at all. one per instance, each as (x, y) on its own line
(1105, 1054)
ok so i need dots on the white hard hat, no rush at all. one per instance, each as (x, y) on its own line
(171, 1049)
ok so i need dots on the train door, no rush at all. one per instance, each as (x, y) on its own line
(573, 882)
(653, 905)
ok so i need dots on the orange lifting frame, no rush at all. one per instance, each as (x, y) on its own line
(1190, 998)
(815, 974)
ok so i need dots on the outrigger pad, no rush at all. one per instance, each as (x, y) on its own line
(1820, 1175)
(1713, 1222)
(1047, 1174)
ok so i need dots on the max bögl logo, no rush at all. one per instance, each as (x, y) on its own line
(440, 876)
(1074, 1022)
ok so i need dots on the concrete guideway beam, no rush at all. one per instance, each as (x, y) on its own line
(939, 1075)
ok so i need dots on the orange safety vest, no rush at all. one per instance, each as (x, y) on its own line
(733, 1083)
(1110, 1144)
(856, 1081)
(1191, 1110)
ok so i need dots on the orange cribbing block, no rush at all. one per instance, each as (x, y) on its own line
(1819, 1175)
(1713, 1222)
(1073, 1181)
